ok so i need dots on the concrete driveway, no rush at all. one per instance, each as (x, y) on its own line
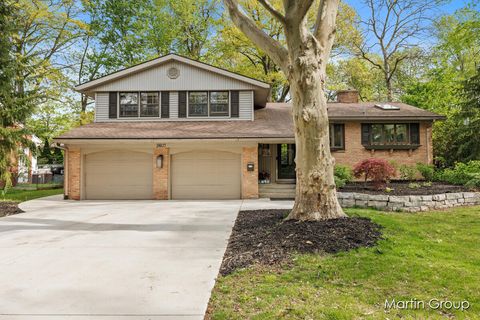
(112, 259)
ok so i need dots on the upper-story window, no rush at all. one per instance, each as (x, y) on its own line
(204, 104)
(198, 104)
(128, 104)
(219, 103)
(149, 104)
(131, 106)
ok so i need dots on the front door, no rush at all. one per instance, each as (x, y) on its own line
(286, 162)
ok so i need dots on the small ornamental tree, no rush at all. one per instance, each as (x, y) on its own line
(379, 171)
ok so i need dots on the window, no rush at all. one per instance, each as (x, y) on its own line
(128, 104)
(219, 103)
(149, 104)
(337, 136)
(391, 135)
(198, 104)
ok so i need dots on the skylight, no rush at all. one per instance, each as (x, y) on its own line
(387, 107)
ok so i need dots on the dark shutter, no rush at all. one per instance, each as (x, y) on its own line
(235, 104)
(182, 104)
(414, 133)
(112, 105)
(366, 134)
(165, 104)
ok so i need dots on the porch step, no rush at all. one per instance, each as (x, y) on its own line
(276, 191)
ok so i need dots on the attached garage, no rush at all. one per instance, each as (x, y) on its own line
(125, 175)
(206, 175)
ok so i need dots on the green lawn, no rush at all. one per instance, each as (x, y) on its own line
(24, 195)
(423, 256)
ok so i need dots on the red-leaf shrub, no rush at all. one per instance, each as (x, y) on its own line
(379, 171)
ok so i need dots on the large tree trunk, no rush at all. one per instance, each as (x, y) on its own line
(316, 195)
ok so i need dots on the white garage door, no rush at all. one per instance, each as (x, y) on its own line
(118, 175)
(206, 175)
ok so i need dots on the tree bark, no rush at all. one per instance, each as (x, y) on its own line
(316, 195)
(304, 64)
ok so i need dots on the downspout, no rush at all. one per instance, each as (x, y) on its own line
(61, 146)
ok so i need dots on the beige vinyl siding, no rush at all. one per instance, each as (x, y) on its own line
(101, 107)
(246, 105)
(173, 104)
(205, 175)
(118, 174)
(190, 78)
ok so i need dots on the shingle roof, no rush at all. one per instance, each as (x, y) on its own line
(273, 121)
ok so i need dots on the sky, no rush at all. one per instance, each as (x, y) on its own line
(447, 8)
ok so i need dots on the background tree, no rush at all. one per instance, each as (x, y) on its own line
(390, 31)
(303, 60)
(15, 107)
(440, 86)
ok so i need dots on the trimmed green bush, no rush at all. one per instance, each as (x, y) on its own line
(407, 172)
(343, 175)
(427, 171)
(467, 174)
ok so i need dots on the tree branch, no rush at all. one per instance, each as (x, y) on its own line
(274, 12)
(273, 48)
(324, 30)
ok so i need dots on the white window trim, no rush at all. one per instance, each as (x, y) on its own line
(208, 105)
(138, 117)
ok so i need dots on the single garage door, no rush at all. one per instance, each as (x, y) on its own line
(205, 175)
(123, 175)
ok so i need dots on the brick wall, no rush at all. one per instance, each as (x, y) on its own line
(160, 175)
(249, 178)
(355, 152)
(74, 171)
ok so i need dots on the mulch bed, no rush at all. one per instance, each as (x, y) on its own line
(7, 208)
(262, 237)
(401, 188)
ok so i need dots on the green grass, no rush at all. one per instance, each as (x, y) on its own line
(33, 186)
(423, 256)
(24, 195)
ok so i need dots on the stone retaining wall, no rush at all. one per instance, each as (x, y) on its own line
(408, 203)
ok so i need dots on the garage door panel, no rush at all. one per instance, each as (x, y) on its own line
(118, 175)
(206, 175)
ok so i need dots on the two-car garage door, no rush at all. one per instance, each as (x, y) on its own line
(193, 175)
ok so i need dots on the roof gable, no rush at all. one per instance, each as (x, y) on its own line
(146, 67)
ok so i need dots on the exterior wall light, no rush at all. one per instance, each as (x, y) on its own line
(160, 161)
(250, 166)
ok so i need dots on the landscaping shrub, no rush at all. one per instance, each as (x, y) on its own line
(427, 171)
(343, 175)
(467, 174)
(408, 172)
(379, 171)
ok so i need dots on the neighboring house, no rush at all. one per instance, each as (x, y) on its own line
(174, 128)
(27, 164)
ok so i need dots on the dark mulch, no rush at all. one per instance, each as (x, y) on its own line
(7, 208)
(401, 188)
(261, 236)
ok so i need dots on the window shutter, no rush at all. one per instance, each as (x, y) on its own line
(165, 104)
(366, 134)
(112, 105)
(235, 104)
(414, 133)
(182, 104)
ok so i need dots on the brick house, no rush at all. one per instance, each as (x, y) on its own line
(175, 128)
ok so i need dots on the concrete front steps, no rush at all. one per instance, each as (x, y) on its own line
(277, 191)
